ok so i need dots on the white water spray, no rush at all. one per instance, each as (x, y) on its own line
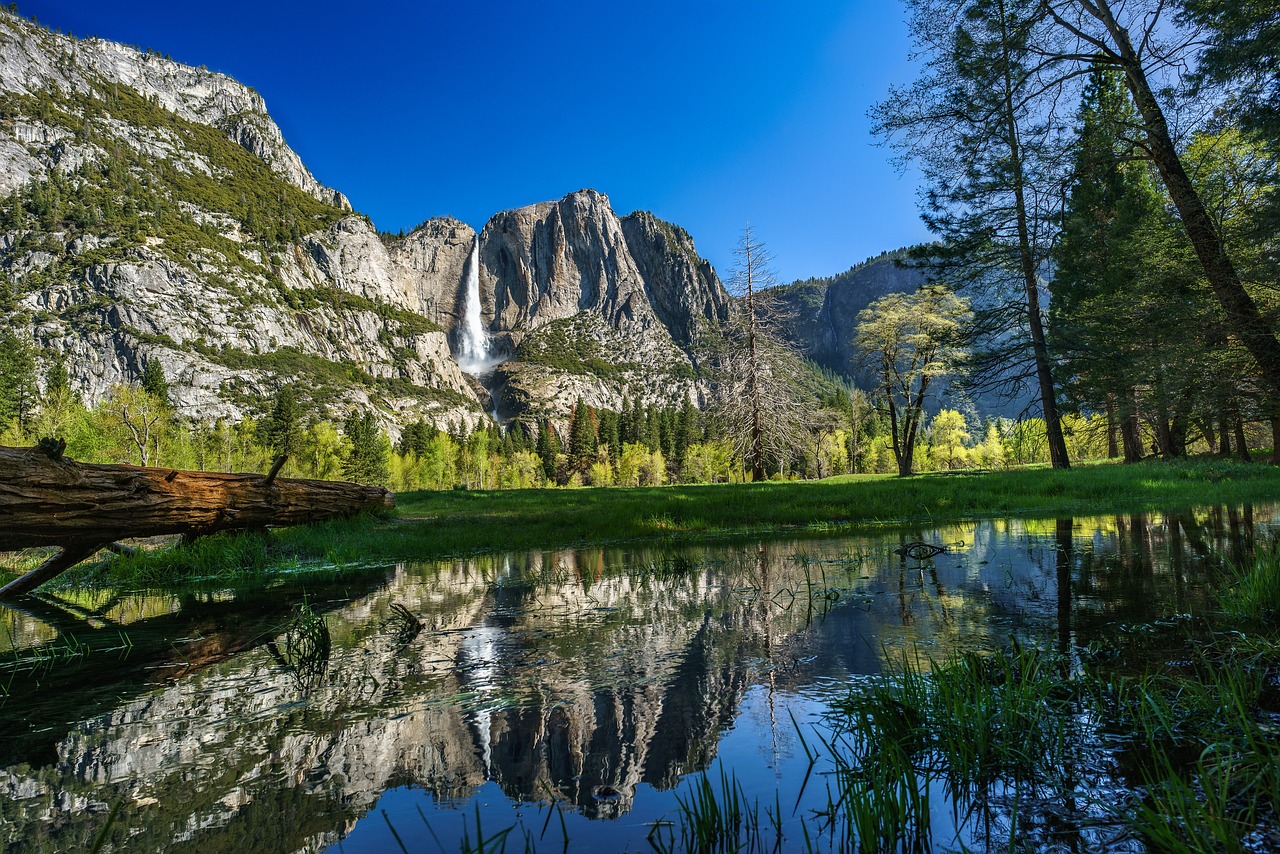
(473, 342)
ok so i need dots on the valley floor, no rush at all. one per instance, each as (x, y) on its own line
(428, 525)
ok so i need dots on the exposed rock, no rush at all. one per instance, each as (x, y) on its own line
(632, 290)
(820, 315)
(434, 257)
(682, 287)
(592, 306)
(33, 59)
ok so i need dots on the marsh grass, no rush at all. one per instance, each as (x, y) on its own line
(403, 625)
(1203, 748)
(977, 725)
(1253, 594)
(43, 658)
(718, 821)
(460, 523)
(307, 645)
(1194, 747)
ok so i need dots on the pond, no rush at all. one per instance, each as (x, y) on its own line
(550, 700)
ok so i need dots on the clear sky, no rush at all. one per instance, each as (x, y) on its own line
(710, 113)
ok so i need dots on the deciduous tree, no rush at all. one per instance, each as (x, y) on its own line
(912, 340)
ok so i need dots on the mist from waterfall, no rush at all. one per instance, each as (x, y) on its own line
(474, 356)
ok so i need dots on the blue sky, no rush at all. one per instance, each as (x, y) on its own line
(709, 113)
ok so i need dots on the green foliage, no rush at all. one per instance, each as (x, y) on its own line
(913, 340)
(17, 380)
(282, 428)
(129, 197)
(582, 438)
(368, 453)
(1243, 53)
(1254, 594)
(566, 346)
(154, 382)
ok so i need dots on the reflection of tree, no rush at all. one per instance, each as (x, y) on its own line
(555, 674)
(1064, 541)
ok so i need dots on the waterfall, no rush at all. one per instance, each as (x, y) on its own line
(473, 342)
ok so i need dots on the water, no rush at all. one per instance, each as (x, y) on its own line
(474, 355)
(591, 687)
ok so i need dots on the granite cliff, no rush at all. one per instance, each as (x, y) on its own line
(819, 316)
(154, 211)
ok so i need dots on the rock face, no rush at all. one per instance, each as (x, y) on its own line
(33, 60)
(568, 286)
(820, 315)
(134, 233)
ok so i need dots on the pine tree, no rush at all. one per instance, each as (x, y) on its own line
(368, 453)
(154, 381)
(583, 440)
(416, 437)
(282, 428)
(548, 450)
(985, 144)
(1100, 257)
(17, 381)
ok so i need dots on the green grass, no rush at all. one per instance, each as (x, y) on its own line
(1254, 594)
(429, 525)
(1196, 747)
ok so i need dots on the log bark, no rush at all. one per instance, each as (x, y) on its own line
(77, 506)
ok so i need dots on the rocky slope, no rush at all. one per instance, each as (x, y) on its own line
(154, 211)
(819, 316)
(593, 306)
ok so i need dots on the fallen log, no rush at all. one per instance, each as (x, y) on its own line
(48, 500)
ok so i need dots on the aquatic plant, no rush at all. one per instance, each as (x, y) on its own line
(716, 820)
(307, 645)
(1254, 592)
(1209, 766)
(980, 725)
(403, 625)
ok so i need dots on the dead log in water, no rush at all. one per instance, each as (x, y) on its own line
(47, 500)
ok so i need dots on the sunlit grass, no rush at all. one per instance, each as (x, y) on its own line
(454, 523)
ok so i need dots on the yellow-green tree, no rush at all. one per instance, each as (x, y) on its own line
(912, 341)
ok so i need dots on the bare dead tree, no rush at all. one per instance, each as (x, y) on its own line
(759, 403)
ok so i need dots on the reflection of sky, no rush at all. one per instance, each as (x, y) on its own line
(562, 672)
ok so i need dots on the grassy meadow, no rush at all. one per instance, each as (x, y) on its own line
(428, 525)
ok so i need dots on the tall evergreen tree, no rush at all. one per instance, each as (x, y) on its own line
(154, 382)
(17, 381)
(368, 453)
(583, 440)
(282, 428)
(548, 450)
(987, 149)
(1100, 260)
(1140, 39)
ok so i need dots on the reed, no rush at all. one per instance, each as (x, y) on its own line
(1253, 594)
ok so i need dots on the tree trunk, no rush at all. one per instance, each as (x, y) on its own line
(1130, 430)
(78, 506)
(1242, 444)
(1030, 279)
(1242, 314)
(1113, 439)
(1275, 440)
(1178, 435)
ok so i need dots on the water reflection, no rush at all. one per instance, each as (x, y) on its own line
(597, 679)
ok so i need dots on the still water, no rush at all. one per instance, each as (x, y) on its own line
(568, 698)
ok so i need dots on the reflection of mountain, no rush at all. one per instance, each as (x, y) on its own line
(560, 675)
(578, 675)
